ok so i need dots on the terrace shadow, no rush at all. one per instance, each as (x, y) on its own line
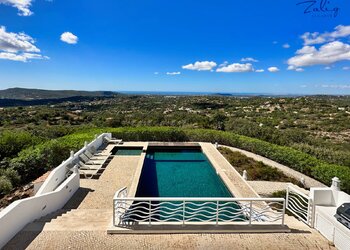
(148, 184)
(77, 198)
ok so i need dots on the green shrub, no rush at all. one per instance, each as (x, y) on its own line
(256, 170)
(279, 194)
(12, 142)
(326, 153)
(11, 174)
(5, 185)
(29, 164)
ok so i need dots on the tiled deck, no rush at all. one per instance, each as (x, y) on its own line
(82, 223)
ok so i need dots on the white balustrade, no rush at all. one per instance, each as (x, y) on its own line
(155, 210)
(300, 205)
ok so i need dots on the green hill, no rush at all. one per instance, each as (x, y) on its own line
(37, 94)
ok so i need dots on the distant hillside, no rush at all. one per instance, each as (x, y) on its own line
(51, 101)
(38, 94)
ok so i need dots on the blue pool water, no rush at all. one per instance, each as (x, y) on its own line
(174, 172)
(171, 172)
(126, 150)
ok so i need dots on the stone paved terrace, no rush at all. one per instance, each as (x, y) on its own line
(82, 223)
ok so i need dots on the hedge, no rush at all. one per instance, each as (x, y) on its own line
(33, 161)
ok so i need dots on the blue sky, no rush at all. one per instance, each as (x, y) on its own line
(200, 46)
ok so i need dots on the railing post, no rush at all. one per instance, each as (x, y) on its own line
(287, 196)
(217, 213)
(250, 212)
(310, 213)
(313, 213)
(284, 212)
(183, 213)
(149, 212)
(114, 213)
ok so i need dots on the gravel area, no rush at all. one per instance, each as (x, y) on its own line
(266, 188)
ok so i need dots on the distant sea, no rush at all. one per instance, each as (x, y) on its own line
(174, 93)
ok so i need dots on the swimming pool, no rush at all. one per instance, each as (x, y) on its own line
(179, 172)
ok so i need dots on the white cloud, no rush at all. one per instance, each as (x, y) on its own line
(23, 57)
(18, 46)
(173, 73)
(328, 53)
(335, 86)
(340, 31)
(69, 38)
(21, 5)
(223, 64)
(312, 38)
(249, 59)
(317, 38)
(156, 73)
(273, 69)
(259, 70)
(286, 46)
(292, 67)
(236, 67)
(327, 67)
(346, 68)
(306, 50)
(200, 66)
(13, 42)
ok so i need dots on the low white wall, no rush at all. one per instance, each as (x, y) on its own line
(326, 202)
(52, 195)
(341, 197)
(18, 214)
(58, 175)
(328, 197)
(330, 228)
(322, 196)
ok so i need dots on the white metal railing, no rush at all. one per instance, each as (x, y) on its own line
(300, 205)
(150, 211)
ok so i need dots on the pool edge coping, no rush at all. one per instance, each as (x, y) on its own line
(222, 173)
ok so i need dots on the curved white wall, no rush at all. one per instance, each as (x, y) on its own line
(52, 195)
